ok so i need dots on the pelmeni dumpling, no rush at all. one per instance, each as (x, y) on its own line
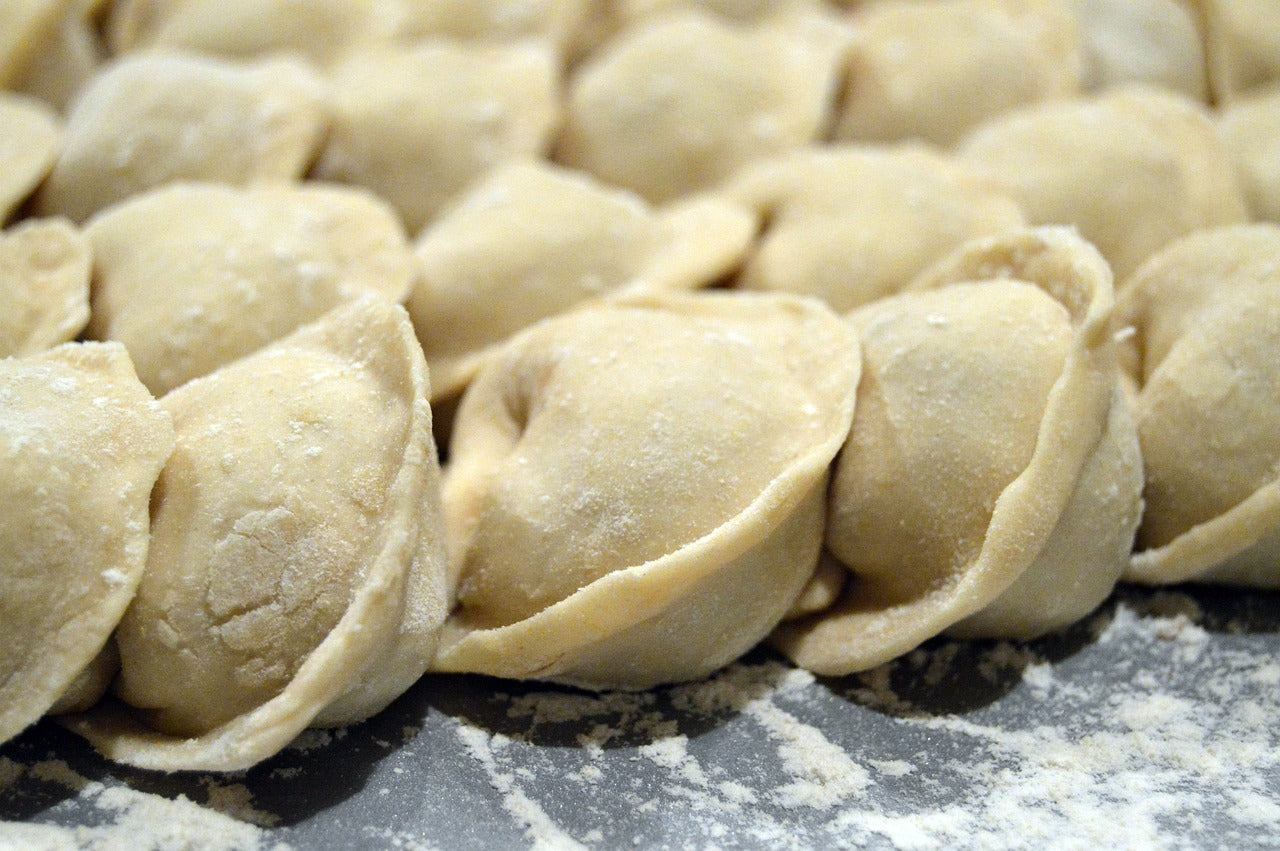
(81, 444)
(418, 124)
(991, 483)
(556, 21)
(1205, 355)
(44, 286)
(297, 566)
(1250, 127)
(1142, 41)
(534, 240)
(194, 276)
(1133, 169)
(30, 136)
(1242, 43)
(68, 60)
(148, 120)
(675, 105)
(635, 493)
(850, 225)
(25, 27)
(931, 71)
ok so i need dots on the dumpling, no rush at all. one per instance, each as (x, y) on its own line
(1242, 43)
(44, 286)
(25, 27)
(418, 124)
(931, 71)
(148, 120)
(1142, 41)
(1133, 169)
(1205, 355)
(534, 240)
(1250, 126)
(556, 21)
(675, 105)
(30, 136)
(296, 574)
(68, 60)
(850, 225)
(635, 493)
(81, 445)
(194, 276)
(991, 483)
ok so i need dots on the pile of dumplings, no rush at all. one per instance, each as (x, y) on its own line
(836, 326)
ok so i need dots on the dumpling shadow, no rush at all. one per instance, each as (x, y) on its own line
(1215, 608)
(948, 676)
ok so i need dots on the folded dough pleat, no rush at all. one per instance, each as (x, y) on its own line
(533, 240)
(44, 286)
(194, 276)
(30, 136)
(991, 482)
(81, 444)
(1205, 359)
(635, 493)
(296, 574)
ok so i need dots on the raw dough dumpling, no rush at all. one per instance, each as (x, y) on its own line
(991, 484)
(931, 71)
(534, 240)
(193, 276)
(44, 286)
(673, 106)
(850, 225)
(30, 136)
(297, 566)
(418, 124)
(25, 28)
(1142, 41)
(1242, 40)
(1251, 129)
(1133, 169)
(635, 494)
(69, 59)
(557, 21)
(1206, 357)
(149, 120)
(82, 442)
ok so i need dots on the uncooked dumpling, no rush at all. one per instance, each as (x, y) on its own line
(1204, 353)
(25, 27)
(1251, 129)
(931, 71)
(149, 120)
(635, 493)
(82, 442)
(44, 286)
(69, 59)
(193, 276)
(991, 483)
(30, 136)
(677, 104)
(418, 124)
(296, 574)
(1133, 169)
(1142, 41)
(850, 225)
(1242, 43)
(534, 240)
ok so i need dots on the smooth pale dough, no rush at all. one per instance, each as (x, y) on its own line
(418, 124)
(853, 224)
(1242, 43)
(145, 121)
(1250, 127)
(1133, 169)
(557, 21)
(297, 565)
(635, 493)
(83, 443)
(68, 60)
(44, 286)
(931, 71)
(534, 240)
(194, 276)
(677, 104)
(25, 27)
(1206, 316)
(1142, 41)
(30, 136)
(991, 484)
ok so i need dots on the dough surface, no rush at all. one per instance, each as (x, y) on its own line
(30, 136)
(44, 286)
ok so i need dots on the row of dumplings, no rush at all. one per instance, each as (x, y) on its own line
(408, 103)
(637, 492)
